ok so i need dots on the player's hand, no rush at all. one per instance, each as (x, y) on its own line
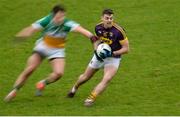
(94, 39)
(18, 39)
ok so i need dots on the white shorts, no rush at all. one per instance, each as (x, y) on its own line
(96, 64)
(47, 51)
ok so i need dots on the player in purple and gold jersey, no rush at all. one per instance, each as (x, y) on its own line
(114, 35)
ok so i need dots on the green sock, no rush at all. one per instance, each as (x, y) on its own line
(46, 82)
(16, 87)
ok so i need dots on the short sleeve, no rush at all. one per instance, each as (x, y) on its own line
(43, 22)
(71, 25)
(122, 36)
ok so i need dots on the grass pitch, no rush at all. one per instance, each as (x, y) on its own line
(148, 82)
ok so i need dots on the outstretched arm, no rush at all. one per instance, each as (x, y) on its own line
(83, 31)
(88, 34)
(27, 32)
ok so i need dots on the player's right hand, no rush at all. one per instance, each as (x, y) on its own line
(18, 40)
(94, 38)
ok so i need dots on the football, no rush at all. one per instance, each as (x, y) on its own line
(103, 50)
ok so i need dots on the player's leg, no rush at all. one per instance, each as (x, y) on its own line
(92, 68)
(32, 63)
(111, 66)
(89, 72)
(109, 72)
(58, 65)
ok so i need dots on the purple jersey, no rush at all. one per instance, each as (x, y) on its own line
(112, 36)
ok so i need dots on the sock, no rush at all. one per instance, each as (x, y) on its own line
(76, 86)
(73, 89)
(93, 95)
(16, 87)
(79, 84)
(45, 81)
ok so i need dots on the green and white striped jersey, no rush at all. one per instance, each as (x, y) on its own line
(54, 30)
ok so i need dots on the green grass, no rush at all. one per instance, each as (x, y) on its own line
(148, 82)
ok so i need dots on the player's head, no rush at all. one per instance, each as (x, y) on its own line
(107, 18)
(58, 13)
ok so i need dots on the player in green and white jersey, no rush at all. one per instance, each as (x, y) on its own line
(55, 28)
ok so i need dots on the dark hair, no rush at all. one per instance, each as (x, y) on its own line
(58, 8)
(107, 11)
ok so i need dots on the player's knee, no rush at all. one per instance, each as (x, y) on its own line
(58, 74)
